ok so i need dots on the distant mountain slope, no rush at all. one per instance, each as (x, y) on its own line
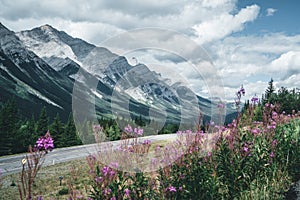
(39, 67)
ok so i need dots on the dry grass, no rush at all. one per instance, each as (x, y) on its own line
(47, 181)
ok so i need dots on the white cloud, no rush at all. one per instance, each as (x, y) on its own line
(250, 60)
(270, 12)
(224, 24)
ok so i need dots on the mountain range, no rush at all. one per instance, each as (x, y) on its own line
(45, 67)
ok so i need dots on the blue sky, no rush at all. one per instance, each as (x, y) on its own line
(249, 42)
(284, 18)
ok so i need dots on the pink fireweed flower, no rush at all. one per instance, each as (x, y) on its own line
(105, 170)
(147, 142)
(254, 100)
(106, 191)
(171, 189)
(209, 154)
(45, 143)
(128, 129)
(112, 173)
(98, 179)
(245, 149)
(255, 131)
(127, 192)
(138, 131)
(274, 115)
(272, 126)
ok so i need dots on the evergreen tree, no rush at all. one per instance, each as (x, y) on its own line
(8, 127)
(70, 137)
(269, 93)
(42, 124)
(56, 131)
(25, 136)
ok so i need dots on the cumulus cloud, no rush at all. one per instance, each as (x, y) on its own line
(224, 24)
(254, 60)
(250, 60)
(270, 12)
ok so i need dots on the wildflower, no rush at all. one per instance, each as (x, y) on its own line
(146, 142)
(254, 100)
(45, 143)
(171, 189)
(241, 91)
(128, 129)
(113, 198)
(98, 179)
(40, 198)
(209, 154)
(274, 142)
(274, 115)
(272, 126)
(127, 192)
(245, 149)
(105, 170)
(106, 191)
(255, 131)
(180, 188)
(272, 154)
(138, 131)
(112, 173)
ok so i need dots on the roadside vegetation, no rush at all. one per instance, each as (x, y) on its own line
(254, 157)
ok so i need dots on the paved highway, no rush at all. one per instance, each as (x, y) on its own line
(12, 163)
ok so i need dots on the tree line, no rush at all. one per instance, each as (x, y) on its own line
(18, 133)
(286, 100)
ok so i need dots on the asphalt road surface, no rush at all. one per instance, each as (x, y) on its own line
(13, 163)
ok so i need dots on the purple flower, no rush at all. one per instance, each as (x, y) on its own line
(98, 179)
(113, 198)
(105, 170)
(241, 91)
(112, 173)
(209, 154)
(128, 129)
(45, 143)
(254, 100)
(272, 154)
(127, 192)
(106, 191)
(146, 142)
(245, 149)
(40, 198)
(255, 131)
(171, 189)
(138, 131)
(274, 142)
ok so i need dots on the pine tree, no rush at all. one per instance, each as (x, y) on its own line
(70, 137)
(42, 124)
(56, 131)
(269, 93)
(8, 127)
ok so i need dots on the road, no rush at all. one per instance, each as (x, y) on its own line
(12, 163)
